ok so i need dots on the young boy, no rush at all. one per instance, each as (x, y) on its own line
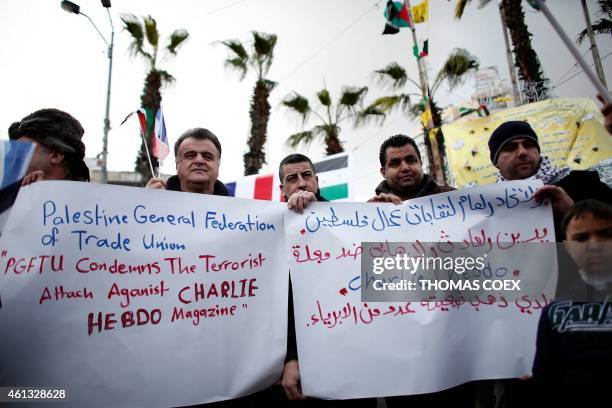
(573, 362)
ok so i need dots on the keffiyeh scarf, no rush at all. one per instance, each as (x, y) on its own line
(546, 172)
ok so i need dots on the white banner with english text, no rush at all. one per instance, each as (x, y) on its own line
(353, 349)
(131, 297)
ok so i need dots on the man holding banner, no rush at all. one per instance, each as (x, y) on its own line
(300, 186)
(299, 182)
(402, 168)
(198, 156)
(515, 151)
(59, 150)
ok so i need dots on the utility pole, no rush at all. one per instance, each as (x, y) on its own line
(71, 7)
(436, 166)
(515, 91)
(109, 53)
(594, 50)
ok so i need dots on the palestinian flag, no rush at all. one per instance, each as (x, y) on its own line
(333, 173)
(397, 17)
(15, 158)
(425, 51)
(146, 119)
(334, 176)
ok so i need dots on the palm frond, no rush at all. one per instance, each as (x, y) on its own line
(460, 8)
(350, 100)
(304, 138)
(238, 58)
(237, 64)
(352, 96)
(603, 26)
(264, 43)
(459, 63)
(237, 48)
(324, 98)
(393, 75)
(298, 104)
(177, 39)
(132, 25)
(370, 114)
(150, 28)
(388, 104)
(166, 77)
(263, 51)
(270, 85)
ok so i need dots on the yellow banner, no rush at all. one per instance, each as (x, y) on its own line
(570, 132)
(420, 12)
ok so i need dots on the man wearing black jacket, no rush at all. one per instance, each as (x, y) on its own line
(402, 169)
(198, 156)
(515, 151)
(299, 186)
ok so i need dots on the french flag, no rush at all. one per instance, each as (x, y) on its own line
(15, 158)
(161, 148)
(258, 187)
(157, 125)
(335, 180)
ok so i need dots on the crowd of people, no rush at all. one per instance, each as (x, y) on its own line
(569, 363)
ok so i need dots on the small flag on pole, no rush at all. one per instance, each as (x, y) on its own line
(160, 139)
(425, 51)
(397, 17)
(146, 119)
(420, 12)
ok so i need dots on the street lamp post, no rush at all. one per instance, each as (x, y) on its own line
(71, 7)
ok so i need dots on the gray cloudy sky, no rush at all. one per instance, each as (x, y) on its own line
(54, 59)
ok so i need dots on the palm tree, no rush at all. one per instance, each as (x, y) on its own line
(603, 25)
(525, 58)
(151, 94)
(346, 108)
(459, 64)
(259, 60)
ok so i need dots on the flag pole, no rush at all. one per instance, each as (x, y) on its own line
(601, 89)
(436, 166)
(148, 154)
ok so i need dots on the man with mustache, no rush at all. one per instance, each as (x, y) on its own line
(402, 169)
(198, 156)
(515, 151)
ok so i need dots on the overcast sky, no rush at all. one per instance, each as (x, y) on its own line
(54, 59)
